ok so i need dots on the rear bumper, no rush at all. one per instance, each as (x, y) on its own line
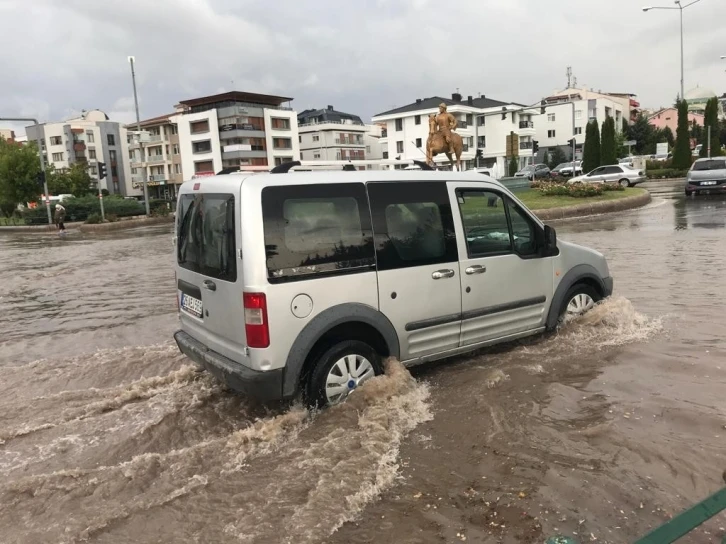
(265, 386)
(714, 189)
(608, 285)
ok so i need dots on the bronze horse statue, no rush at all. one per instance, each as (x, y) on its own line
(437, 144)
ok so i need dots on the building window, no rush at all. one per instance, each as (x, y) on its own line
(385, 154)
(280, 124)
(112, 155)
(578, 130)
(399, 124)
(114, 171)
(174, 129)
(205, 146)
(551, 117)
(203, 167)
(167, 149)
(469, 119)
(482, 141)
(92, 154)
(134, 171)
(418, 142)
(550, 133)
(57, 157)
(281, 143)
(198, 127)
(177, 168)
(282, 160)
(175, 149)
(93, 171)
(111, 139)
(481, 120)
(316, 138)
(417, 119)
(316, 155)
(399, 147)
(578, 114)
(56, 140)
(89, 137)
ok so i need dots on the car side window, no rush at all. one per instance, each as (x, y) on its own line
(524, 231)
(597, 171)
(484, 217)
(412, 224)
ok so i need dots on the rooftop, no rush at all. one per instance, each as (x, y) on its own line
(159, 120)
(455, 100)
(327, 115)
(237, 96)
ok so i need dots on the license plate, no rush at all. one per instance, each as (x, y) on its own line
(191, 305)
(708, 183)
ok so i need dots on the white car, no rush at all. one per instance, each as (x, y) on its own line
(615, 173)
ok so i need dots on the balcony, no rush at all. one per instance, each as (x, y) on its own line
(525, 145)
(158, 177)
(461, 124)
(79, 146)
(155, 158)
(347, 141)
(156, 138)
(526, 128)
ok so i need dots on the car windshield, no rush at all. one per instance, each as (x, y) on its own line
(710, 165)
(527, 168)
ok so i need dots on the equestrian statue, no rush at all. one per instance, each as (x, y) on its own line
(442, 139)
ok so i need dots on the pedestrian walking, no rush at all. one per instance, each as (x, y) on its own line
(60, 217)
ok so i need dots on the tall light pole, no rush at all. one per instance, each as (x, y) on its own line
(141, 144)
(679, 7)
(40, 154)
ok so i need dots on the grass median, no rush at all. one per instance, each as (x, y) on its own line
(535, 200)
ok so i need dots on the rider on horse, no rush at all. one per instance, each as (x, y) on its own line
(445, 123)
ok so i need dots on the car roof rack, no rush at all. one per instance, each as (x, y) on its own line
(348, 166)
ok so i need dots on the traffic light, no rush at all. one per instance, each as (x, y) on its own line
(535, 146)
(40, 178)
(542, 109)
(571, 142)
(479, 154)
(101, 170)
(504, 112)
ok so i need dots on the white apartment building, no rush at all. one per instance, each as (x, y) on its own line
(483, 124)
(235, 129)
(567, 113)
(90, 139)
(331, 135)
(7, 134)
(162, 162)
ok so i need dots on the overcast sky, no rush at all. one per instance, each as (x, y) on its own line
(362, 56)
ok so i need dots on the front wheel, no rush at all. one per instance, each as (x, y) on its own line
(580, 299)
(341, 369)
(689, 193)
(625, 183)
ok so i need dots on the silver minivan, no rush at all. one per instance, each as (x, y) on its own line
(305, 282)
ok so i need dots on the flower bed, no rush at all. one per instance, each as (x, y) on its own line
(575, 190)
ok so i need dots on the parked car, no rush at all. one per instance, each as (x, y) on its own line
(707, 176)
(627, 161)
(533, 172)
(565, 170)
(697, 150)
(305, 283)
(616, 173)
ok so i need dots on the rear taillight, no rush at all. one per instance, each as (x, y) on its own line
(256, 326)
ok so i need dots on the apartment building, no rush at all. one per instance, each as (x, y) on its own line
(162, 162)
(483, 123)
(235, 129)
(7, 134)
(89, 139)
(567, 113)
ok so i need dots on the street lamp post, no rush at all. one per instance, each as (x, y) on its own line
(679, 7)
(40, 154)
(141, 145)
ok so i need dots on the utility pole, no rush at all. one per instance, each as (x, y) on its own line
(141, 144)
(40, 155)
(709, 141)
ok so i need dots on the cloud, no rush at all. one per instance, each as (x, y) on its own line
(364, 57)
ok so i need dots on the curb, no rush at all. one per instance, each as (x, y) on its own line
(595, 208)
(38, 228)
(126, 224)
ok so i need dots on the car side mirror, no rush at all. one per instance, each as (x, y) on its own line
(550, 241)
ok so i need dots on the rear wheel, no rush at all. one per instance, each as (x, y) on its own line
(579, 299)
(340, 370)
(624, 182)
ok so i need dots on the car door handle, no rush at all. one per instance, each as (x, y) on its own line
(209, 284)
(445, 273)
(476, 269)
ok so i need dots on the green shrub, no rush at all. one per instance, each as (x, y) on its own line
(94, 219)
(78, 209)
(111, 217)
(612, 187)
(665, 173)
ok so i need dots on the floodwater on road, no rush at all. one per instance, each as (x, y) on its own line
(601, 431)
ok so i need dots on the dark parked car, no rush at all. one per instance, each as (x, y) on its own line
(564, 170)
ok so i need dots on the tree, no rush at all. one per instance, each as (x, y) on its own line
(670, 138)
(682, 151)
(19, 175)
(625, 131)
(607, 143)
(711, 120)
(642, 132)
(74, 180)
(591, 151)
(513, 165)
(557, 157)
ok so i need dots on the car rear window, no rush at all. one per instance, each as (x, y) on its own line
(710, 165)
(205, 235)
(313, 230)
